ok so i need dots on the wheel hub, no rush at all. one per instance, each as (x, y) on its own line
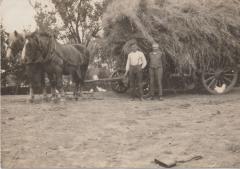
(218, 73)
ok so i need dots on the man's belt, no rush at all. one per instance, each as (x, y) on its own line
(136, 65)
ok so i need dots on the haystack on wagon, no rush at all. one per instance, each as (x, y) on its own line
(200, 40)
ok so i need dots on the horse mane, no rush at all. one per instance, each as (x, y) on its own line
(15, 35)
(45, 34)
(38, 33)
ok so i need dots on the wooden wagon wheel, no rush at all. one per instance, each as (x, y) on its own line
(220, 79)
(119, 86)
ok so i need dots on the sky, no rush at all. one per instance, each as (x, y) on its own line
(17, 15)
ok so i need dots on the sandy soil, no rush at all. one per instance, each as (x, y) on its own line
(109, 130)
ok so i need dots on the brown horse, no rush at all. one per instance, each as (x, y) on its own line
(35, 73)
(57, 59)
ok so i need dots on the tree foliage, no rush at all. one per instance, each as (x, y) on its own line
(80, 19)
(45, 19)
(12, 71)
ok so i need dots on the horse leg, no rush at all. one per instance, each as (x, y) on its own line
(31, 71)
(80, 88)
(45, 93)
(76, 89)
(53, 93)
(31, 93)
(60, 86)
(79, 80)
(44, 86)
(52, 80)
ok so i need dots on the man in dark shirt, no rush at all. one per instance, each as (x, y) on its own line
(156, 71)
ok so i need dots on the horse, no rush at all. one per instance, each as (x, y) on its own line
(15, 44)
(35, 73)
(57, 59)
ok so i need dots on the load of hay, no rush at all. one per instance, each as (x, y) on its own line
(190, 33)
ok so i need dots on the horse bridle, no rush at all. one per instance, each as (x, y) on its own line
(14, 50)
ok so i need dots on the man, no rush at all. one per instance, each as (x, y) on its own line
(136, 62)
(155, 71)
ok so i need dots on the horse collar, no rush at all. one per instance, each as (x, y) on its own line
(51, 49)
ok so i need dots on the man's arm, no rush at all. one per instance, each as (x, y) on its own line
(127, 65)
(144, 64)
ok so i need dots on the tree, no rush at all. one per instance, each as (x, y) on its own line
(4, 65)
(11, 70)
(81, 19)
(46, 18)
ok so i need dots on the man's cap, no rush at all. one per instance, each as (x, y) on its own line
(134, 45)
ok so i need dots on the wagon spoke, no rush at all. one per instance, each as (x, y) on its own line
(228, 74)
(209, 73)
(121, 88)
(210, 78)
(118, 85)
(227, 79)
(212, 82)
(228, 70)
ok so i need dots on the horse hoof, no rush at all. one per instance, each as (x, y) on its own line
(62, 100)
(30, 100)
(45, 99)
(54, 99)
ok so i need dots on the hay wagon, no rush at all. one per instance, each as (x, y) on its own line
(203, 34)
(216, 79)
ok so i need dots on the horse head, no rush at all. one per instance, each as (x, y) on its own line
(15, 44)
(34, 48)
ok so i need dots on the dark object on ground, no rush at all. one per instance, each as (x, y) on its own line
(171, 163)
(166, 164)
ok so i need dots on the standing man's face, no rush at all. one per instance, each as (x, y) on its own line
(134, 48)
(155, 49)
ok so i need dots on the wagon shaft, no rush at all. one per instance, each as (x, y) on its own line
(105, 80)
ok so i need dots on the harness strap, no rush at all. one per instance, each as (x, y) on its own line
(53, 52)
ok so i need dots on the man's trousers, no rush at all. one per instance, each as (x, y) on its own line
(155, 75)
(135, 77)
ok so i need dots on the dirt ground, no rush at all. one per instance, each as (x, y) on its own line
(109, 130)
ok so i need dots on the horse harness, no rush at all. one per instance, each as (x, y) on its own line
(52, 55)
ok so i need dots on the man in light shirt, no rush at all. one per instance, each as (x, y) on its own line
(136, 62)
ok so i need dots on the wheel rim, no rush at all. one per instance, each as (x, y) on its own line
(118, 86)
(219, 80)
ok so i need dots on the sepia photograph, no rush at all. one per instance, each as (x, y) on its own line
(120, 84)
